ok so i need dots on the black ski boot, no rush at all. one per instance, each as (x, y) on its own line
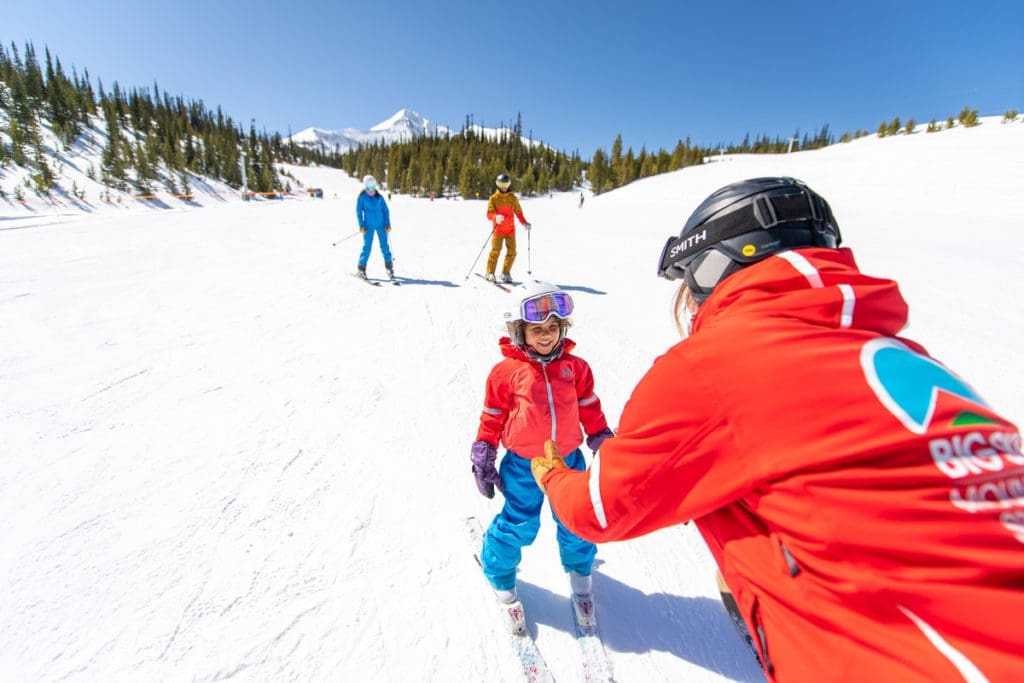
(391, 271)
(361, 272)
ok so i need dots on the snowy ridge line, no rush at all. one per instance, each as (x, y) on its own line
(79, 202)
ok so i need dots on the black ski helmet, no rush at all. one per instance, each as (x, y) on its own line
(503, 181)
(743, 223)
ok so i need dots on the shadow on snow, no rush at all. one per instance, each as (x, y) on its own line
(695, 629)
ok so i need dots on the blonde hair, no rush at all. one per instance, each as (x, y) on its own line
(678, 302)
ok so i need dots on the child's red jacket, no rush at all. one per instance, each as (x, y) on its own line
(527, 402)
(863, 503)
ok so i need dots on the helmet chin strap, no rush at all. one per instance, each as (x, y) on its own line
(553, 354)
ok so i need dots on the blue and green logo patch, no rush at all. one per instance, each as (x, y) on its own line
(908, 385)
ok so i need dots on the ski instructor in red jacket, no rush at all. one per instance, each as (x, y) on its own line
(863, 502)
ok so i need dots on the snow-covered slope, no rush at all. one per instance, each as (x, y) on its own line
(224, 457)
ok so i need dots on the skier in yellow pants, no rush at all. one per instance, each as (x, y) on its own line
(502, 210)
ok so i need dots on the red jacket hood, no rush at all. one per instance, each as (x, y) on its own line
(775, 286)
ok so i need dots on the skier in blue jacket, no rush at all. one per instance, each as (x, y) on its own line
(374, 218)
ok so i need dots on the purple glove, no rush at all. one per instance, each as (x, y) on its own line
(594, 441)
(483, 456)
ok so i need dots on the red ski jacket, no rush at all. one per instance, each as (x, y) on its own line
(528, 402)
(864, 504)
(504, 204)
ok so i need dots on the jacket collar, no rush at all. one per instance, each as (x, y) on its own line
(509, 350)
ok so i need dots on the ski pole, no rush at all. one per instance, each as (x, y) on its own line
(343, 239)
(529, 257)
(480, 254)
(391, 244)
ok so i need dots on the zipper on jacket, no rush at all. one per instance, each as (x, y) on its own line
(551, 399)
(794, 568)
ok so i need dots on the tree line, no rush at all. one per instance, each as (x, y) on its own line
(466, 163)
(152, 138)
(156, 140)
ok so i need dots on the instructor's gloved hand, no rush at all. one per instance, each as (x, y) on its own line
(483, 456)
(594, 441)
(551, 460)
(499, 219)
(527, 226)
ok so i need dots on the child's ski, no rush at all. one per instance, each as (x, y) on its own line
(594, 660)
(535, 669)
(493, 282)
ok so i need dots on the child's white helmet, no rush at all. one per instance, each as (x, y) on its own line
(369, 182)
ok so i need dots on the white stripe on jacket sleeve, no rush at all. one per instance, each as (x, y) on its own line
(595, 491)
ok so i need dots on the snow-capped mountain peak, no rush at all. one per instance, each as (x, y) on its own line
(403, 125)
(404, 119)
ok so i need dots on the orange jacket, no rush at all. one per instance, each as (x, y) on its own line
(864, 505)
(505, 204)
(528, 402)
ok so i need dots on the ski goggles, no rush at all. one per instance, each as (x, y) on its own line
(702, 271)
(541, 307)
(704, 268)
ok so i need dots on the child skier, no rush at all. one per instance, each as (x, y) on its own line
(539, 392)
(502, 210)
(374, 218)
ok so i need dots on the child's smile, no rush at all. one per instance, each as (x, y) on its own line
(543, 336)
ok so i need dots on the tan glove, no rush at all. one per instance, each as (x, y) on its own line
(541, 465)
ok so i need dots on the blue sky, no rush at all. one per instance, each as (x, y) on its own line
(579, 73)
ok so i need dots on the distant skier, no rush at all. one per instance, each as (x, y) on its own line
(538, 391)
(374, 219)
(864, 504)
(502, 210)
(581, 200)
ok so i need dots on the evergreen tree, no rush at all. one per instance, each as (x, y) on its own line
(968, 117)
(599, 173)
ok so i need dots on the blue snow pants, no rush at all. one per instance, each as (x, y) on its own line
(519, 521)
(382, 238)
